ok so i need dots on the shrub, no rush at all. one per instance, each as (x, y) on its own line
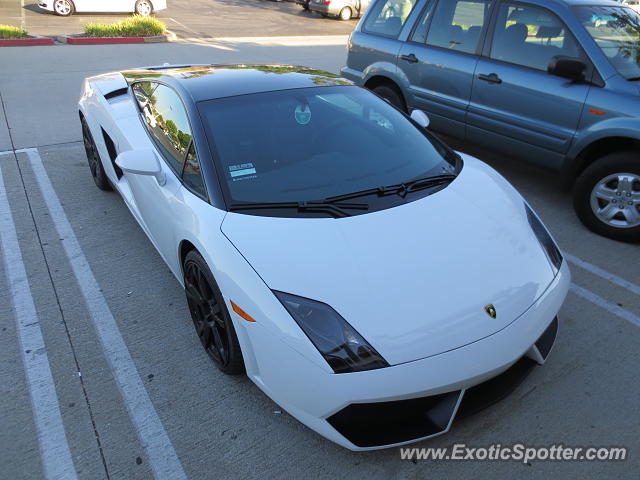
(7, 31)
(136, 26)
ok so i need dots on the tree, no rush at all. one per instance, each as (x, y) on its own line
(171, 128)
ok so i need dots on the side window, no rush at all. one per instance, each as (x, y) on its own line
(191, 174)
(419, 34)
(457, 25)
(388, 17)
(166, 121)
(531, 36)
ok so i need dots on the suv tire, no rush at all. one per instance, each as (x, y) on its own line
(391, 96)
(607, 196)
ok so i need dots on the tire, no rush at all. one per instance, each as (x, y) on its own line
(93, 157)
(144, 7)
(345, 14)
(607, 196)
(64, 8)
(391, 96)
(210, 315)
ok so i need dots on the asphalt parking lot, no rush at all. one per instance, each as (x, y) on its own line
(189, 19)
(137, 396)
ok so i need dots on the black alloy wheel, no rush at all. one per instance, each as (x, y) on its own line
(93, 157)
(210, 316)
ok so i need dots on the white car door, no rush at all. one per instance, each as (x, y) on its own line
(159, 203)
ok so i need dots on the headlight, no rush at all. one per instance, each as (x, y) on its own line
(342, 347)
(549, 246)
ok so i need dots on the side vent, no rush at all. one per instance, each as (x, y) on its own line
(113, 153)
(116, 93)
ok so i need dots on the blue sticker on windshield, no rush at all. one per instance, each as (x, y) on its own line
(241, 170)
(303, 114)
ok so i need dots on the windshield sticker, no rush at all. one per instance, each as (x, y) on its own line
(241, 170)
(303, 114)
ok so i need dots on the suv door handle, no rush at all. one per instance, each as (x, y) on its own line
(491, 78)
(411, 58)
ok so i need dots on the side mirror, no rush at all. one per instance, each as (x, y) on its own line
(420, 118)
(141, 162)
(567, 67)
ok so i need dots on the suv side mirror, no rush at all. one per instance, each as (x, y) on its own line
(420, 118)
(567, 67)
(141, 162)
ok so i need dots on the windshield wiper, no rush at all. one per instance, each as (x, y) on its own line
(401, 189)
(335, 209)
(633, 79)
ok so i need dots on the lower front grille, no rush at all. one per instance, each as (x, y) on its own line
(492, 391)
(385, 423)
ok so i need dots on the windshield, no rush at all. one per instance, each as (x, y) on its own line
(312, 143)
(616, 30)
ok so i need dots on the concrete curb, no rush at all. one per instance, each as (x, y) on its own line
(79, 39)
(32, 40)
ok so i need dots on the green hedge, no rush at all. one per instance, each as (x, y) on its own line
(136, 26)
(7, 31)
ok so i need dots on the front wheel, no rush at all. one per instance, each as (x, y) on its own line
(64, 8)
(93, 157)
(607, 196)
(210, 315)
(345, 14)
(144, 8)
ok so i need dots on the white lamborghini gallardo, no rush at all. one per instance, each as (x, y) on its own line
(373, 282)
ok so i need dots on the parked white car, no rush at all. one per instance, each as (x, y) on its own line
(68, 7)
(373, 282)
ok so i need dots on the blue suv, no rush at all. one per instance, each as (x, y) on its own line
(553, 82)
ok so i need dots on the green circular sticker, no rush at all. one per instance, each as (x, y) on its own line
(303, 114)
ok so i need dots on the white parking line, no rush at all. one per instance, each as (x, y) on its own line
(54, 448)
(153, 437)
(606, 304)
(602, 273)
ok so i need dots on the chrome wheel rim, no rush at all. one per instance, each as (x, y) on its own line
(206, 314)
(345, 13)
(144, 8)
(63, 7)
(615, 200)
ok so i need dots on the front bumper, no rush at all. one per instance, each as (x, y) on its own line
(436, 387)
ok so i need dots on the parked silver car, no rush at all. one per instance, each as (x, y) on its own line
(342, 9)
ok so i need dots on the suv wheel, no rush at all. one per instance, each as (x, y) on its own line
(391, 96)
(607, 196)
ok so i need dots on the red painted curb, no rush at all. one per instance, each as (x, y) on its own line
(103, 40)
(23, 42)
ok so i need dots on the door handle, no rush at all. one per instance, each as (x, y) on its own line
(491, 78)
(411, 58)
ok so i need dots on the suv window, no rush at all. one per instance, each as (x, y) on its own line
(531, 36)
(419, 34)
(191, 175)
(457, 25)
(388, 17)
(166, 120)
